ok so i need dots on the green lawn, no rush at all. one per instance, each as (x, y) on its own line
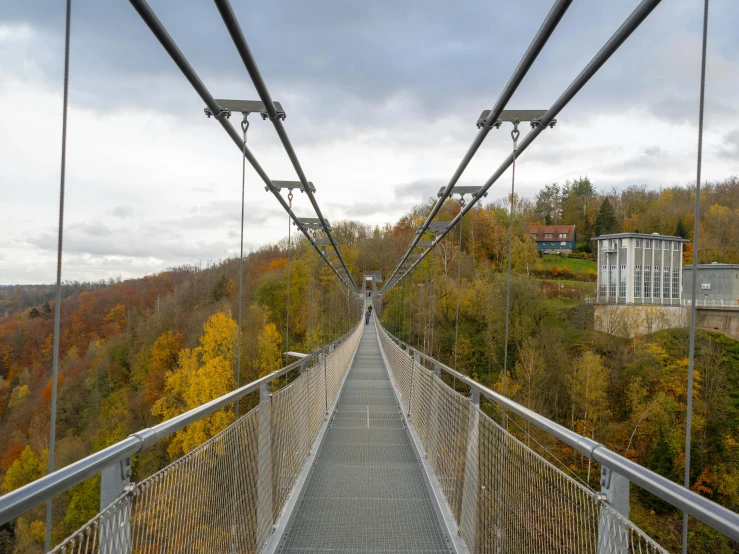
(587, 287)
(576, 265)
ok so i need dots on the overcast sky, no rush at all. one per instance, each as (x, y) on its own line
(381, 99)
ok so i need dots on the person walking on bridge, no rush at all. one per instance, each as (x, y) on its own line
(367, 316)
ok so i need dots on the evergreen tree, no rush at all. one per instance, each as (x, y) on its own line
(221, 289)
(680, 230)
(34, 313)
(605, 221)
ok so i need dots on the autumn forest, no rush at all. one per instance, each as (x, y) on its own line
(139, 351)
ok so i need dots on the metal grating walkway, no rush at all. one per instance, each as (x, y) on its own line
(366, 491)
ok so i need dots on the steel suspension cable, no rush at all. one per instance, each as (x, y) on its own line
(432, 303)
(58, 305)
(635, 19)
(244, 128)
(694, 272)
(459, 288)
(504, 418)
(287, 302)
(514, 135)
(410, 310)
(532, 52)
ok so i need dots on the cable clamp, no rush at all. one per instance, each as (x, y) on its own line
(537, 123)
(279, 115)
(219, 115)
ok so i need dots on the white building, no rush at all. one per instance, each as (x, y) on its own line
(636, 268)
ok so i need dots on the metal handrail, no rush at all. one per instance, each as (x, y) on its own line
(23, 499)
(712, 514)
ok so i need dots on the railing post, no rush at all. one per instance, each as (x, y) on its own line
(325, 380)
(613, 532)
(470, 487)
(264, 466)
(115, 531)
(435, 411)
(415, 358)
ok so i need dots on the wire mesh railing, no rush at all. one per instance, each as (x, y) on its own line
(503, 495)
(225, 495)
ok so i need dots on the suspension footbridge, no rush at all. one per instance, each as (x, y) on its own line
(366, 444)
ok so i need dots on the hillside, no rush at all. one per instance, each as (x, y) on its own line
(125, 343)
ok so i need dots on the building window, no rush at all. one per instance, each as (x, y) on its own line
(666, 282)
(637, 243)
(621, 243)
(657, 276)
(667, 245)
(603, 280)
(622, 282)
(647, 244)
(676, 245)
(563, 243)
(637, 281)
(614, 244)
(603, 243)
(563, 235)
(547, 235)
(658, 245)
(612, 282)
(676, 282)
(647, 281)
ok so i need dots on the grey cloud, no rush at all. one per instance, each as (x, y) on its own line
(94, 229)
(363, 208)
(122, 211)
(370, 52)
(420, 190)
(730, 148)
(213, 214)
(129, 243)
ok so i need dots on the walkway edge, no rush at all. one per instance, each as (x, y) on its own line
(445, 514)
(273, 543)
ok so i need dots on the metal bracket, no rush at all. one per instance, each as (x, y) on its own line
(290, 185)
(533, 116)
(114, 480)
(313, 223)
(435, 227)
(244, 106)
(474, 191)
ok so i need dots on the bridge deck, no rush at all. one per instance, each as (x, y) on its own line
(366, 491)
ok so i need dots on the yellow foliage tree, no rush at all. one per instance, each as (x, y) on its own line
(525, 255)
(28, 467)
(164, 355)
(588, 385)
(117, 316)
(203, 374)
(17, 396)
(270, 357)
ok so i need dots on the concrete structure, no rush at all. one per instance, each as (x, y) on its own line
(718, 284)
(637, 268)
(637, 319)
(553, 239)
